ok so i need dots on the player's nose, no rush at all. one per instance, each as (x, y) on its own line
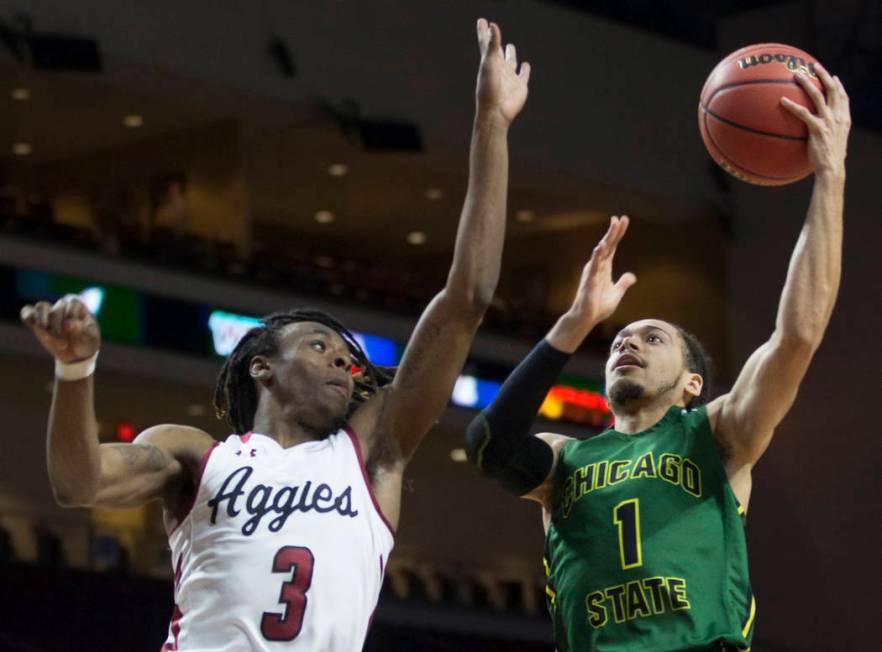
(339, 362)
(631, 343)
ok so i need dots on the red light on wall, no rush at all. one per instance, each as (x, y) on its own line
(582, 397)
(125, 431)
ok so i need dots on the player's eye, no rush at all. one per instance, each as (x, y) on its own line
(319, 346)
(655, 339)
(616, 345)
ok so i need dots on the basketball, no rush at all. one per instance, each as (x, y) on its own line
(743, 125)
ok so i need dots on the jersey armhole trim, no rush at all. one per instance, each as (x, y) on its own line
(197, 484)
(367, 482)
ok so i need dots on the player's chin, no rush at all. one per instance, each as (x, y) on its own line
(623, 389)
(332, 416)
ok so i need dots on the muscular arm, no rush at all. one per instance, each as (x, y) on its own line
(440, 343)
(159, 464)
(84, 472)
(405, 411)
(746, 417)
(498, 440)
(81, 470)
(72, 450)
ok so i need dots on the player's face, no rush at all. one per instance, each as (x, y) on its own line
(314, 373)
(645, 361)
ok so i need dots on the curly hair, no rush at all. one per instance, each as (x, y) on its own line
(697, 360)
(235, 394)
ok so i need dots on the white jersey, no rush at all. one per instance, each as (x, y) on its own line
(283, 549)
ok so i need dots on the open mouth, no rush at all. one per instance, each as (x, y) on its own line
(628, 361)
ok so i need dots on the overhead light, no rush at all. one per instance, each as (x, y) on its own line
(434, 194)
(416, 238)
(525, 215)
(458, 455)
(324, 217)
(196, 410)
(338, 170)
(21, 149)
(133, 121)
(21, 94)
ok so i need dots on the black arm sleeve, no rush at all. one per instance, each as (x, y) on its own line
(498, 440)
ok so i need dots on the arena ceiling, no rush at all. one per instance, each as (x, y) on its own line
(288, 150)
(846, 36)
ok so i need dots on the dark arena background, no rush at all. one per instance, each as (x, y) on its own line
(187, 166)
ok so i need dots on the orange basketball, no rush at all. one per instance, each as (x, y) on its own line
(743, 125)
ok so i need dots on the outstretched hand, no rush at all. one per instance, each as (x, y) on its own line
(598, 296)
(828, 128)
(67, 330)
(502, 87)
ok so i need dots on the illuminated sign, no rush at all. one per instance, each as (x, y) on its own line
(568, 402)
(142, 319)
(472, 392)
(575, 404)
(93, 298)
(228, 328)
(118, 309)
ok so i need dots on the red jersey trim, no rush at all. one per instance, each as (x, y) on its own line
(184, 513)
(244, 438)
(175, 626)
(357, 445)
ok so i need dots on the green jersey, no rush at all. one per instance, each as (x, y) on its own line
(645, 548)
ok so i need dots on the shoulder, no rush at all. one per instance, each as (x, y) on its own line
(557, 441)
(184, 443)
(379, 448)
(715, 412)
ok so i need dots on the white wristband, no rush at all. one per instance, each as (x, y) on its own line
(75, 370)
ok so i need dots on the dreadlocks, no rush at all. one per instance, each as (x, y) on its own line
(697, 361)
(235, 395)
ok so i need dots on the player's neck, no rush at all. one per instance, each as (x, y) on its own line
(641, 418)
(286, 429)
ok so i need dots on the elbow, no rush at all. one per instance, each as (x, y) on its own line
(471, 303)
(475, 435)
(70, 497)
(480, 296)
(802, 339)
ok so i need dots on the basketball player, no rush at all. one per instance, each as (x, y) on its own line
(645, 546)
(280, 534)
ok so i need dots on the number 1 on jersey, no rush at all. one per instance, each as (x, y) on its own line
(626, 516)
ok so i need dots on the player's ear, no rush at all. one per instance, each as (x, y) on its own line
(261, 368)
(694, 384)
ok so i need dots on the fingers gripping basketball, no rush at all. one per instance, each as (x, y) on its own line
(742, 122)
(66, 329)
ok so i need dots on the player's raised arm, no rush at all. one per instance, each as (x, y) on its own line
(82, 471)
(437, 350)
(498, 440)
(766, 387)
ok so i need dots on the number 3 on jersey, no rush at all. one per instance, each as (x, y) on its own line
(626, 516)
(285, 627)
